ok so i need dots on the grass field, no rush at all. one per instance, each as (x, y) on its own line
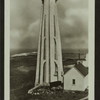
(22, 77)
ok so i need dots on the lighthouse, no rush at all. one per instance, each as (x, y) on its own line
(49, 59)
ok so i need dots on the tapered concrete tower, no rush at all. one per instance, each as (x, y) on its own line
(49, 60)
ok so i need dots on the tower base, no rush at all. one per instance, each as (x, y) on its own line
(46, 88)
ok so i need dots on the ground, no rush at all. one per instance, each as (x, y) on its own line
(21, 94)
(22, 77)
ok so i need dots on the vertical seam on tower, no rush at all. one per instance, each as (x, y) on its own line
(44, 55)
(49, 42)
(41, 44)
(37, 79)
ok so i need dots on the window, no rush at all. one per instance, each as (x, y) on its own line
(44, 56)
(56, 70)
(73, 81)
(55, 49)
(54, 27)
(44, 72)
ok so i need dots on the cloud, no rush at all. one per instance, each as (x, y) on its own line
(73, 23)
(31, 39)
(25, 20)
(25, 15)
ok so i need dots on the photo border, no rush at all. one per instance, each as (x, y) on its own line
(2, 50)
(97, 49)
(91, 50)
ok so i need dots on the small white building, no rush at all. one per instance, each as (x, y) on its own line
(76, 77)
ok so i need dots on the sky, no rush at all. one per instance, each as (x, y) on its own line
(25, 21)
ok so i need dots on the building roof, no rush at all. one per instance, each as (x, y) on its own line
(80, 67)
(66, 70)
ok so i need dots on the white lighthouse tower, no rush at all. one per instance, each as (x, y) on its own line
(49, 67)
(49, 60)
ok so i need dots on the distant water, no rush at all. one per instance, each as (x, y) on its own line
(34, 50)
(22, 51)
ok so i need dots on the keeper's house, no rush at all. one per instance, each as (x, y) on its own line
(76, 77)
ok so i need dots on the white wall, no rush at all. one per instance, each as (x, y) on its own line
(85, 82)
(74, 74)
